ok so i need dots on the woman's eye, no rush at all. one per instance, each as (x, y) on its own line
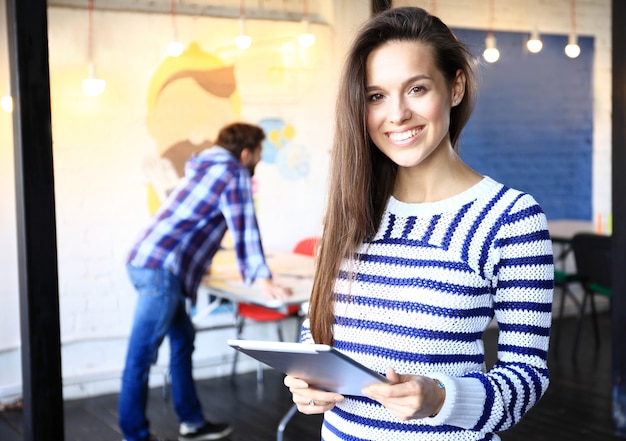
(374, 97)
(417, 89)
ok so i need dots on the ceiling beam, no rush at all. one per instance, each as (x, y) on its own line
(195, 9)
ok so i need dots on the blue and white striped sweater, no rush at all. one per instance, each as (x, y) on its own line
(418, 297)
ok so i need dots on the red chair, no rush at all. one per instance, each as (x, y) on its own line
(307, 246)
(247, 311)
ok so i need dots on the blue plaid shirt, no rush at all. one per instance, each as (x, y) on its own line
(184, 235)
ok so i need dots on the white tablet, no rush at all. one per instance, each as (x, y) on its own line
(321, 366)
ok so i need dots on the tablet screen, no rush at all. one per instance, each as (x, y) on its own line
(321, 366)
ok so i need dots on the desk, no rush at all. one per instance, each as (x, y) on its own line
(564, 230)
(288, 269)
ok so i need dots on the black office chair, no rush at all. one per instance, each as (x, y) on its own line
(593, 256)
(563, 279)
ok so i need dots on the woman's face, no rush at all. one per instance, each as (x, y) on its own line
(408, 102)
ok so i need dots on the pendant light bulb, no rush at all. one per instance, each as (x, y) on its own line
(7, 103)
(92, 85)
(491, 53)
(572, 49)
(174, 48)
(534, 43)
(243, 41)
(306, 38)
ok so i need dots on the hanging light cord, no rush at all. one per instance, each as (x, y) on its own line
(573, 15)
(305, 11)
(242, 9)
(491, 15)
(173, 16)
(90, 36)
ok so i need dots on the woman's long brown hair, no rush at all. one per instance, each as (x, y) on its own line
(361, 177)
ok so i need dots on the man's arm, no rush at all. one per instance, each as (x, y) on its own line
(237, 206)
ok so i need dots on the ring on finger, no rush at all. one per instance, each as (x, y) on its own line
(311, 403)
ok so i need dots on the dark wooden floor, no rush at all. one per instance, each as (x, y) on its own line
(577, 405)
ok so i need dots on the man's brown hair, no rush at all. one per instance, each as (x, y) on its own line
(238, 136)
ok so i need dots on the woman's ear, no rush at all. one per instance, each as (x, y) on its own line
(458, 88)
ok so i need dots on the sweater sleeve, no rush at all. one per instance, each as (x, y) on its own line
(522, 278)
(237, 205)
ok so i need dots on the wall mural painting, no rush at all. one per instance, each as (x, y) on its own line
(292, 160)
(190, 97)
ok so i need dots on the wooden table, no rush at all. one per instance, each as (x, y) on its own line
(564, 230)
(288, 269)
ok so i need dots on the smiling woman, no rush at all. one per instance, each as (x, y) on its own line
(419, 252)
(408, 111)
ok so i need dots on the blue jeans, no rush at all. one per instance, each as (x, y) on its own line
(160, 311)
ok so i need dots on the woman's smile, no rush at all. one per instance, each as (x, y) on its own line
(405, 137)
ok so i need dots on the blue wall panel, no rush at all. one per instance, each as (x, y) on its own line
(532, 125)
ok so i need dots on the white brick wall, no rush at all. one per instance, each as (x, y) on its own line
(99, 145)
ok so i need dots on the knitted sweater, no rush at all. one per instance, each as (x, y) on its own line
(418, 297)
